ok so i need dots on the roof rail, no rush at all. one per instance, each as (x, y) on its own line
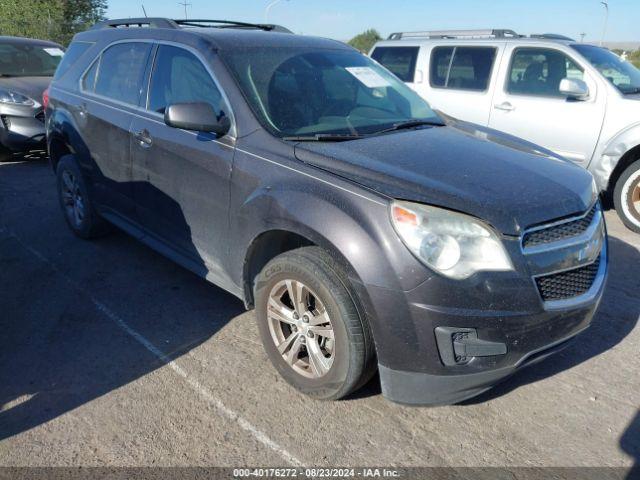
(493, 33)
(231, 24)
(175, 24)
(136, 22)
(552, 36)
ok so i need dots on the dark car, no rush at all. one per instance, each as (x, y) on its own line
(26, 69)
(368, 231)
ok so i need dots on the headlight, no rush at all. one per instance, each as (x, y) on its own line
(453, 244)
(14, 98)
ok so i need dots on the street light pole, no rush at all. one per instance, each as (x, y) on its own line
(268, 9)
(606, 19)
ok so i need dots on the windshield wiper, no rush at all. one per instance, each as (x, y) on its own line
(632, 91)
(411, 124)
(324, 137)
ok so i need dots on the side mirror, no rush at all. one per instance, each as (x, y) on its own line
(574, 88)
(198, 116)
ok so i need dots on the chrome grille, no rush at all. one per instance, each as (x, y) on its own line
(554, 233)
(569, 284)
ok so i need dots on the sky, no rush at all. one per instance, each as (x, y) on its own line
(342, 19)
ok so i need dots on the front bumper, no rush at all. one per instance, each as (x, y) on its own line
(500, 315)
(413, 388)
(22, 128)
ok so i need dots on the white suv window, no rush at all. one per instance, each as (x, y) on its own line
(538, 71)
(461, 68)
(401, 61)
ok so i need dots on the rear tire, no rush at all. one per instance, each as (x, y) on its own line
(75, 201)
(318, 342)
(626, 197)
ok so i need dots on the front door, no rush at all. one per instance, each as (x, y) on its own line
(181, 178)
(529, 104)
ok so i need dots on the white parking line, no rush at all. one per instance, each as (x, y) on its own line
(200, 389)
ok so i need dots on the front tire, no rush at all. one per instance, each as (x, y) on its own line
(76, 202)
(310, 327)
(626, 197)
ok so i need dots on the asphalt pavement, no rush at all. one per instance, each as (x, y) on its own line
(112, 355)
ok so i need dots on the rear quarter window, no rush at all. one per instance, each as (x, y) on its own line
(401, 61)
(71, 56)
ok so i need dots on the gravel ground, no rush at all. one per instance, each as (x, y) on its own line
(111, 355)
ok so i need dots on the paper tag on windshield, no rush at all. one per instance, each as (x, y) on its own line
(368, 76)
(54, 52)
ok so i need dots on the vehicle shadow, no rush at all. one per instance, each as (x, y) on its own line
(60, 347)
(617, 316)
(630, 444)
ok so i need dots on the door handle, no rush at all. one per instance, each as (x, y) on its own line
(144, 138)
(504, 106)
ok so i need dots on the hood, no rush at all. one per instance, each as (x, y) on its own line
(509, 183)
(32, 87)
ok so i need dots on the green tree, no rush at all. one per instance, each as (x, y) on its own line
(79, 15)
(57, 20)
(32, 18)
(365, 41)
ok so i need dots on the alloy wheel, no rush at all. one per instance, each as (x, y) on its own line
(72, 199)
(301, 328)
(634, 202)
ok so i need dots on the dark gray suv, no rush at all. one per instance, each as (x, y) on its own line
(368, 231)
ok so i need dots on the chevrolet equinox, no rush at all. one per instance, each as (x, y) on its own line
(368, 231)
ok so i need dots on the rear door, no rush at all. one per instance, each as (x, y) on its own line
(112, 87)
(460, 80)
(528, 103)
(181, 178)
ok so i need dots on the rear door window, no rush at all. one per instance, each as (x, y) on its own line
(121, 71)
(538, 72)
(399, 60)
(462, 68)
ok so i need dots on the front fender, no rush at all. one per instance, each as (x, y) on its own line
(606, 161)
(356, 231)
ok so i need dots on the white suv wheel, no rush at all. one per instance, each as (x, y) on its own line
(627, 196)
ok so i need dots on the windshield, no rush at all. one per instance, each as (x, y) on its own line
(28, 60)
(306, 92)
(622, 74)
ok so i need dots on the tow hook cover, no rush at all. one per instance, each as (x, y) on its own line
(459, 345)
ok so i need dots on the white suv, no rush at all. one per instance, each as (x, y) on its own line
(578, 100)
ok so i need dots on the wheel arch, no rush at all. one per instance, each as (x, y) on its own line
(58, 148)
(263, 248)
(615, 157)
(627, 159)
(60, 131)
(271, 243)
